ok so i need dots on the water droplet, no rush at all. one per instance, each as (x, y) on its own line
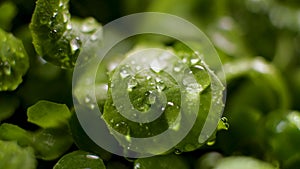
(75, 45)
(128, 138)
(160, 87)
(60, 4)
(158, 80)
(88, 26)
(54, 14)
(6, 68)
(92, 106)
(148, 77)
(94, 157)
(178, 66)
(224, 119)
(211, 142)
(151, 99)
(131, 84)
(137, 166)
(194, 61)
(124, 74)
(170, 103)
(65, 17)
(177, 69)
(87, 99)
(199, 67)
(138, 68)
(156, 66)
(69, 26)
(223, 124)
(112, 121)
(53, 33)
(177, 151)
(156, 69)
(94, 37)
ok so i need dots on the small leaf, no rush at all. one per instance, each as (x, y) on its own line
(48, 114)
(12, 156)
(237, 162)
(12, 132)
(55, 37)
(50, 144)
(161, 162)
(78, 160)
(14, 61)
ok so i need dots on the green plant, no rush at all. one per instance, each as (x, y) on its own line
(39, 128)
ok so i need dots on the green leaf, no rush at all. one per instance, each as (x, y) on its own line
(208, 160)
(83, 141)
(259, 70)
(237, 162)
(14, 61)
(55, 37)
(283, 130)
(12, 132)
(160, 83)
(48, 114)
(8, 11)
(49, 144)
(8, 105)
(78, 160)
(161, 162)
(13, 156)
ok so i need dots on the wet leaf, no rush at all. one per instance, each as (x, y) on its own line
(12, 156)
(48, 114)
(56, 37)
(14, 61)
(78, 160)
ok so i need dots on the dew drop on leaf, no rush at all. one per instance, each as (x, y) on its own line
(131, 84)
(177, 151)
(94, 37)
(94, 157)
(124, 74)
(137, 166)
(69, 26)
(199, 67)
(177, 69)
(194, 61)
(170, 103)
(152, 99)
(160, 87)
(75, 45)
(210, 143)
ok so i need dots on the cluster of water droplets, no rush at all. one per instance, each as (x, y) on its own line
(5, 68)
(88, 101)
